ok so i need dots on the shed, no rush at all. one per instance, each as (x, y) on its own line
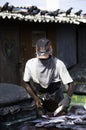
(21, 27)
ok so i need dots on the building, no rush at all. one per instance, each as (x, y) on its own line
(21, 27)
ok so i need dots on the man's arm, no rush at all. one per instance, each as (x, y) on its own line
(67, 98)
(30, 91)
(71, 89)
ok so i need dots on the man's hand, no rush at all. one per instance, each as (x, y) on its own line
(38, 102)
(39, 106)
(65, 102)
(29, 89)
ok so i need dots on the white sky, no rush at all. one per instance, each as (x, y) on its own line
(43, 4)
(49, 4)
(76, 4)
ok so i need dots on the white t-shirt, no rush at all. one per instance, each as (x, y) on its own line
(60, 74)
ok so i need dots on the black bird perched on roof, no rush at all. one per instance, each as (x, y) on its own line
(78, 13)
(33, 10)
(53, 13)
(5, 7)
(10, 8)
(60, 11)
(43, 12)
(20, 10)
(30, 9)
(68, 11)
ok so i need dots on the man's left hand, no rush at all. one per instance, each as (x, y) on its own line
(65, 102)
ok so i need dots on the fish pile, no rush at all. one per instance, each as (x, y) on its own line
(70, 121)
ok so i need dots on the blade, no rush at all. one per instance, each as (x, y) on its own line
(58, 110)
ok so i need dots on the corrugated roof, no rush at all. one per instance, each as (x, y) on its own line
(25, 14)
(44, 19)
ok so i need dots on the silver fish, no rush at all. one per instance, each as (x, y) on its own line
(51, 120)
(41, 124)
(58, 110)
(85, 106)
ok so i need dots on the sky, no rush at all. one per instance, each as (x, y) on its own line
(49, 4)
(76, 4)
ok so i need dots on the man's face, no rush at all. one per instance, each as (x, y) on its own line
(43, 54)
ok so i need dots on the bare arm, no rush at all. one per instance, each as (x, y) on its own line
(67, 99)
(71, 89)
(28, 88)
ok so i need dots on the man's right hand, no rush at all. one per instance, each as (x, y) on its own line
(29, 89)
(39, 106)
(38, 102)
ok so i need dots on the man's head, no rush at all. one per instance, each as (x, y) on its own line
(43, 48)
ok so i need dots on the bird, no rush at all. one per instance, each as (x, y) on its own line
(78, 13)
(68, 11)
(60, 11)
(33, 10)
(10, 8)
(30, 9)
(43, 12)
(20, 10)
(53, 13)
(5, 6)
(50, 13)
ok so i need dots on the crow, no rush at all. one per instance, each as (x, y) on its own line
(43, 12)
(34, 12)
(5, 7)
(20, 10)
(32, 8)
(10, 8)
(53, 13)
(60, 11)
(68, 11)
(78, 13)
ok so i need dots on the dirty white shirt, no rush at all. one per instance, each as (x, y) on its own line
(60, 74)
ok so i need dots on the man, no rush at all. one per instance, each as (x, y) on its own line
(43, 76)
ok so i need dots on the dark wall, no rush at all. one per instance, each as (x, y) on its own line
(66, 44)
(68, 41)
(9, 54)
(82, 44)
(26, 36)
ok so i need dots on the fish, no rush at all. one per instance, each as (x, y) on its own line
(75, 116)
(65, 126)
(85, 106)
(80, 122)
(58, 110)
(42, 124)
(51, 121)
(69, 120)
(50, 125)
